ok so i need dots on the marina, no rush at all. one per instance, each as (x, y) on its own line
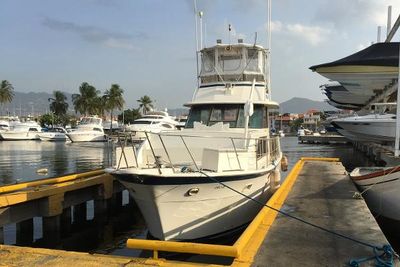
(263, 238)
(155, 152)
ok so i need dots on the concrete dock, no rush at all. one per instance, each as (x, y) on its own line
(317, 190)
(323, 195)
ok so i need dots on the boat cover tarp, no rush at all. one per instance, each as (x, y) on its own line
(379, 54)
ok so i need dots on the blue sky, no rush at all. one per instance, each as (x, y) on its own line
(148, 46)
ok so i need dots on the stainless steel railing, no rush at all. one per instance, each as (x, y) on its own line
(175, 152)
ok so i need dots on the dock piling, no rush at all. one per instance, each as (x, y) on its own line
(24, 232)
(51, 229)
(66, 221)
(1, 235)
(80, 211)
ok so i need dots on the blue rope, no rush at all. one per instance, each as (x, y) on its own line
(385, 259)
(388, 251)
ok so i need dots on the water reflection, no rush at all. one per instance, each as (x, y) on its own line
(19, 160)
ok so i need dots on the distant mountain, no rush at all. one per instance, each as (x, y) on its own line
(31, 104)
(301, 105)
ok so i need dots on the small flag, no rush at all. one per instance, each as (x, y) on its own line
(229, 27)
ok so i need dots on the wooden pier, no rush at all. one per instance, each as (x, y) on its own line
(316, 190)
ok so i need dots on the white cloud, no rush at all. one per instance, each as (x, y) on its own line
(314, 35)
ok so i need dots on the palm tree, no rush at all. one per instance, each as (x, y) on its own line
(58, 105)
(114, 100)
(6, 92)
(146, 104)
(87, 101)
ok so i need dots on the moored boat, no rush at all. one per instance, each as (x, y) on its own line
(152, 122)
(54, 134)
(380, 186)
(372, 127)
(28, 130)
(89, 129)
(175, 176)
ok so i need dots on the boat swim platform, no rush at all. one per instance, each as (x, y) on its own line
(317, 190)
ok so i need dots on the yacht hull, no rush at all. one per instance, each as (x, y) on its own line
(87, 137)
(9, 135)
(172, 212)
(53, 137)
(371, 129)
(381, 191)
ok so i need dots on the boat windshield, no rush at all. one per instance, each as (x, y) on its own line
(85, 121)
(227, 114)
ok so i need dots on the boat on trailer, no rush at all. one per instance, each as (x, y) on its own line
(178, 178)
(380, 186)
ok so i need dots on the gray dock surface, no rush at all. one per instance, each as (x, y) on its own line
(323, 195)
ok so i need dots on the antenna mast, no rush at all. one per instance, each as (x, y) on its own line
(268, 67)
(197, 42)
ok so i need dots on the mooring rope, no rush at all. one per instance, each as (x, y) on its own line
(388, 252)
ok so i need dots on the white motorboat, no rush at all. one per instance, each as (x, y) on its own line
(181, 122)
(153, 122)
(54, 134)
(380, 187)
(108, 125)
(175, 177)
(372, 127)
(89, 129)
(22, 131)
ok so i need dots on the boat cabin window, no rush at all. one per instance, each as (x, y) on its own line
(231, 114)
(142, 122)
(33, 130)
(166, 126)
(208, 61)
(230, 62)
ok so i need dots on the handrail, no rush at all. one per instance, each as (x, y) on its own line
(267, 147)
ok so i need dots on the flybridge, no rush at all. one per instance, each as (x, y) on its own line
(231, 63)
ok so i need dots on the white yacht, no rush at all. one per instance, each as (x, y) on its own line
(89, 129)
(22, 131)
(372, 127)
(108, 125)
(54, 134)
(4, 125)
(177, 178)
(153, 122)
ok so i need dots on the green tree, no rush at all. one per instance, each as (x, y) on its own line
(130, 115)
(87, 101)
(114, 99)
(58, 104)
(295, 124)
(47, 119)
(146, 104)
(6, 92)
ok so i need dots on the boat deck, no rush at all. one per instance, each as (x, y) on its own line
(322, 195)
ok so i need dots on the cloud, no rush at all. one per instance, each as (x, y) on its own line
(94, 34)
(314, 35)
(342, 13)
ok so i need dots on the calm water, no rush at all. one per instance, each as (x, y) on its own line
(20, 160)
